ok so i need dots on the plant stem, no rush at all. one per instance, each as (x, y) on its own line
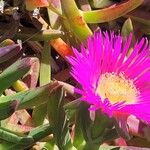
(45, 69)
(39, 112)
(75, 20)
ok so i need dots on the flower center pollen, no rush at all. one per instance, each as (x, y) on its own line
(116, 88)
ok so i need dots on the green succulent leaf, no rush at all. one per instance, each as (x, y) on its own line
(14, 72)
(39, 112)
(40, 132)
(75, 20)
(78, 135)
(111, 13)
(85, 121)
(71, 108)
(127, 27)
(7, 108)
(57, 118)
(25, 99)
(100, 124)
(9, 136)
(101, 3)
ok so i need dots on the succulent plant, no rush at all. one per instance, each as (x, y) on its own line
(73, 76)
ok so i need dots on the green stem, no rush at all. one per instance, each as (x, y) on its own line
(75, 19)
(39, 112)
(45, 69)
(30, 34)
(110, 13)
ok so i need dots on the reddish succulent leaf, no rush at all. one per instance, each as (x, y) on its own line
(138, 128)
(139, 142)
(20, 121)
(9, 51)
(63, 75)
(55, 3)
(55, 21)
(15, 123)
(58, 44)
(18, 128)
(61, 47)
(13, 119)
(134, 126)
(32, 4)
(23, 117)
(32, 77)
(120, 142)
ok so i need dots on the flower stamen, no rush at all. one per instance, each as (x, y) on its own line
(116, 88)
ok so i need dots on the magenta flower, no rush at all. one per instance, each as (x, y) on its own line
(112, 82)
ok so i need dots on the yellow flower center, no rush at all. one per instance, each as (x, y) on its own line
(116, 88)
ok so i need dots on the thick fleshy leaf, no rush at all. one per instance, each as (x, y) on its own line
(105, 147)
(78, 138)
(14, 72)
(75, 21)
(101, 3)
(127, 27)
(40, 132)
(18, 142)
(89, 146)
(71, 108)
(25, 99)
(7, 42)
(100, 124)
(73, 114)
(20, 86)
(7, 108)
(59, 45)
(85, 121)
(32, 34)
(32, 4)
(95, 129)
(8, 136)
(19, 122)
(53, 11)
(111, 13)
(8, 52)
(31, 78)
(39, 112)
(126, 30)
(50, 145)
(17, 128)
(57, 118)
